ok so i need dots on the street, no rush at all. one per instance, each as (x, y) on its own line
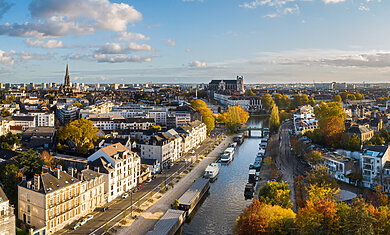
(116, 207)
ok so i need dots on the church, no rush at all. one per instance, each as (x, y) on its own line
(227, 85)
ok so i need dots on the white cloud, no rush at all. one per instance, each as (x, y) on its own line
(271, 16)
(119, 48)
(197, 64)
(49, 44)
(11, 57)
(170, 42)
(362, 7)
(188, 50)
(332, 1)
(102, 58)
(7, 58)
(60, 18)
(128, 36)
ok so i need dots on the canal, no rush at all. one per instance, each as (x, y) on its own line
(225, 201)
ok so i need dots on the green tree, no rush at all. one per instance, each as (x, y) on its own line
(5, 145)
(30, 162)
(312, 102)
(81, 132)
(314, 158)
(10, 176)
(209, 119)
(267, 102)
(361, 218)
(327, 110)
(299, 100)
(274, 120)
(320, 177)
(276, 193)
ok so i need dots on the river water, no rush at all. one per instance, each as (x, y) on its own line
(225, 201)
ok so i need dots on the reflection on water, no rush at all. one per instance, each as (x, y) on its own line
(226, 200)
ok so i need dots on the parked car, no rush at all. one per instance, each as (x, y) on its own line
(149, 180)
(105, 208)
(125, 195)
(139, 186)
(83, 221)
(76, 226)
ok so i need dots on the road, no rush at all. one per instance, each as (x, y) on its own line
(117, 206)
(288, 165)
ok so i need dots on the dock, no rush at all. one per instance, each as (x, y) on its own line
(169, 223)
(173, 219)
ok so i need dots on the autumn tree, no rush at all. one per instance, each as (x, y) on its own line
(274, 120)
(249, 93)
(234, 118)
(208, 117)
(5, 113)
(78, 105)
(155, 128)
(47, 159)
(259, 218)
(360, 218)
(81, 132)
(282, 101)
(327, 110)
(276, 193)
(312, 102)
(320, 177)
(299, 100)
(283, 115)
(313, 158)
(317, 217)
(332, 130)
(267, 102)
(337, 99)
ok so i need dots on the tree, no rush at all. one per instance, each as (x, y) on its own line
(326, 110)
(176, 203)
(299, 100)
(259, 218)
(337, 99)
(274, 120)
(282, 101)
(209, 120)
(320, 177)
(312, 102)
(283, 115)
(208, 117)
(251, 221)
(47, 159)
(81, 132)
(5, 113)
(5, 145)
(276, 193)
(267, 102)
(360, 218)
(234, 118)
(10, 176)
(249, 93)
(317, 217)
(198, 104)
(318, 192)
(78, 105)
(332, 130)
(313, 158)
(31, 163)
(155, 128)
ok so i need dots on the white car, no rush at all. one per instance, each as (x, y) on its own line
(125, 195)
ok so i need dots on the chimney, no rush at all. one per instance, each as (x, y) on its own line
(71, 171)
(97, 169)
(45, 169)
(80, 176)
(37, 182)
(57, 173)
(23, 178)
(87, 167)
(59, 167)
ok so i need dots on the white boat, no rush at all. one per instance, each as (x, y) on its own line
(261, 153)
(226, 157)
(233, 145)
(230, 151)
(212, 171)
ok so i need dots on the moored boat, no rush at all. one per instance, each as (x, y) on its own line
(212, 171)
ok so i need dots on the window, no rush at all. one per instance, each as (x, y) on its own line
(28, 197)
(28, 219)
(28, 209)
(51, 213)
(58, 199)
(51, 202)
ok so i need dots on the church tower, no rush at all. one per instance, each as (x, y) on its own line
(240, 84)
(67, 88)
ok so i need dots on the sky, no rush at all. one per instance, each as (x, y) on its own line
(194, 41)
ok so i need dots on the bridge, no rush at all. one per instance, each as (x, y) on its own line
(250, 129)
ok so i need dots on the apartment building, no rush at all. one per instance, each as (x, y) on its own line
(42, 119)
(50, 201)
(304, 120)
(4, 125)
(67, 113)
(120, 168)
(193, 134)
(7, 216)
(24, 121)
(340, 166)
(373, 160)
(99, 108)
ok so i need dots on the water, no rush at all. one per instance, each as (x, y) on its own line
(225, 201)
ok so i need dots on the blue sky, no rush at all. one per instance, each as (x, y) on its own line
(161, 41)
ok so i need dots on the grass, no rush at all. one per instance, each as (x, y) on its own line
(20, 231)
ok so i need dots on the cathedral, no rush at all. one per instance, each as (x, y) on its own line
(67, 88)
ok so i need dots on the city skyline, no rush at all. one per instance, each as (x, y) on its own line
(194, 41)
